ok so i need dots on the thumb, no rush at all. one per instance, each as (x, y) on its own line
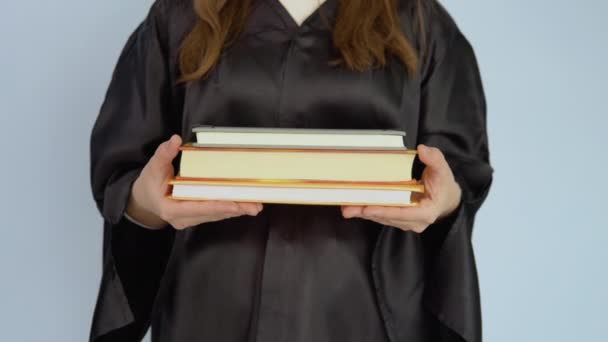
(167, 151)
(432, 157)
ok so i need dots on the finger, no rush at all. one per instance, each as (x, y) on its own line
(421, 213)
(195, 221)
(433, 157)
(203, 208)
(403, 225)
(167, 151)
(172, 209)
(350, 211)
(381, 221)
(409, 225)
(251, 209)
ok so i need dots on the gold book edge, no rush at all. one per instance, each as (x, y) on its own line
(412, 186)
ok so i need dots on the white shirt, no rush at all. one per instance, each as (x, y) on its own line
(301, 9)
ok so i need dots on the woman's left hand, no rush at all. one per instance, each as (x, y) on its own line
(440, 199)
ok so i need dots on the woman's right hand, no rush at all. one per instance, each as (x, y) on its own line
(149, 205)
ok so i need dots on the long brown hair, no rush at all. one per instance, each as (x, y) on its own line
(365, 33)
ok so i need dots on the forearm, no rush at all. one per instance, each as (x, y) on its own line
(137, 213)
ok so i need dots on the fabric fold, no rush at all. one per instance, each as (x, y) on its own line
(133, 120)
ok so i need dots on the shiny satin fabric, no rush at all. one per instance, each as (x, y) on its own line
(293, 273)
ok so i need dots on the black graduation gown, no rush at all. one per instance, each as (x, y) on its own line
(293, 273)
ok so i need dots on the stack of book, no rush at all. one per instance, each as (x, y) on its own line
(297, 166)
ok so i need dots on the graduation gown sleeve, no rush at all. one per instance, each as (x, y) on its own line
(136, 116)
(453, 119)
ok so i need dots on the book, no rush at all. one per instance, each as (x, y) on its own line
(266, 191)
(219, 136)
(297, 164)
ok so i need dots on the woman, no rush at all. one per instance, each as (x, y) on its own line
(223, 271)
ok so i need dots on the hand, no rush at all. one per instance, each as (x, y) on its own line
(441, 197)
(149, 205)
